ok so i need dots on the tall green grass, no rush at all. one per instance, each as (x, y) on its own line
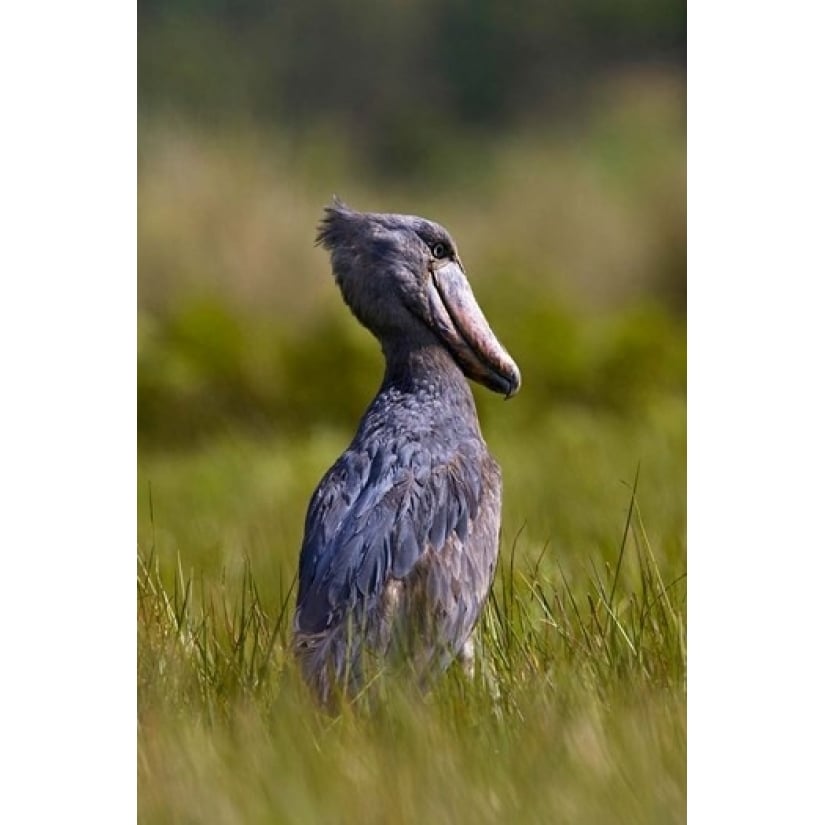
(576, 712)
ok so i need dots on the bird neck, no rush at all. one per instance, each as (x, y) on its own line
(426, 369)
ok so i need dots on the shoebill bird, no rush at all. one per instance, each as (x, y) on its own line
(401, 535)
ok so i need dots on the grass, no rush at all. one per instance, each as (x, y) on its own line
(577, 709)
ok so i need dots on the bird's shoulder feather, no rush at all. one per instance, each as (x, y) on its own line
(374, 514)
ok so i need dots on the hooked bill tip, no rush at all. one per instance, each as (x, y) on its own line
(514, 385)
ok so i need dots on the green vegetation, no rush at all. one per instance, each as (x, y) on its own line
(578, 710)
(400, 79)
(252, 377)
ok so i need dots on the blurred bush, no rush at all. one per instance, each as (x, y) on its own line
(549, 138)
(204, 369)
(397, 77)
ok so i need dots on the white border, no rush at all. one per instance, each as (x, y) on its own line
(756, 412)
(67, 344)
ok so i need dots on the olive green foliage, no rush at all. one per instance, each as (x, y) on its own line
(394, 79)
(252, 376)
(577, 709)
(573, 240)
(204, 366)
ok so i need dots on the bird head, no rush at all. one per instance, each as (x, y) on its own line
(403, 279)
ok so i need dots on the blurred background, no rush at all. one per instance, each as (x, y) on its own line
(548, 137)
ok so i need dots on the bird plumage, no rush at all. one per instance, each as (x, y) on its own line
(401, 535)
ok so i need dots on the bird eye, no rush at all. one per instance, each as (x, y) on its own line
(439, 250)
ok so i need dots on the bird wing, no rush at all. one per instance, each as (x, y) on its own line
(372, 517)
